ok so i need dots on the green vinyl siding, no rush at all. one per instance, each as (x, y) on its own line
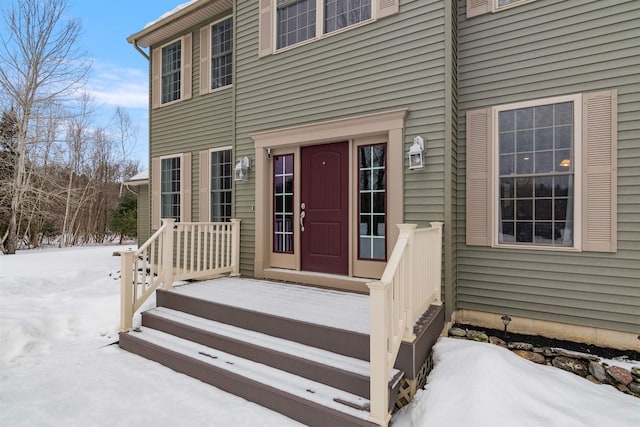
(538, 50)
(199, 123)
(395, 62)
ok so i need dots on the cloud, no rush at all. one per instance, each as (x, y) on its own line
(115, 85)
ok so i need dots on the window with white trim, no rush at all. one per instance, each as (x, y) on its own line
(536, 174)
(171, 72)
(295, 21)
(220, 188)
(543, 174)
(480, 7)
(170, 188)
(221, 53)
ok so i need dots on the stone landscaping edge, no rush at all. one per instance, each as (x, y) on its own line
(588, 366)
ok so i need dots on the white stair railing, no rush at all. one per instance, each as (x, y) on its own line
(410, 283)
(177, 251)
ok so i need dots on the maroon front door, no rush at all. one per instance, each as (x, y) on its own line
(324, 208)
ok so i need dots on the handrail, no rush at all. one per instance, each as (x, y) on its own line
(410, 283)
(177, 251)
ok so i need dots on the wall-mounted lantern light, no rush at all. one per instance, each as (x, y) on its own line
(416, 159)
(241, 172)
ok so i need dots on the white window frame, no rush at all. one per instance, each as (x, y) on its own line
(495, 6)
(577, 172)
(209, 189)
(186, 79)
(320, 34)
(205, 60)
(182, 184)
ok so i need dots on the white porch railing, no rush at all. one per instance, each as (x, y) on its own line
(410, 283)
(177, 251)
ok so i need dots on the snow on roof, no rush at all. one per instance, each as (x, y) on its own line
(142, 176)
(171, 12)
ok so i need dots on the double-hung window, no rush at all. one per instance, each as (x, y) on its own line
(171, 188)
(542, 174)
(221, 53)
(171, 72)
(536, 173)
(297, 21)
(480, 7)
(216, 55)
(221, 191)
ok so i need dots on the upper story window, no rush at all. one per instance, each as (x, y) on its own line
(480, 7)
(297, 21)
(340, 14)
(171, 71)
(221, 53)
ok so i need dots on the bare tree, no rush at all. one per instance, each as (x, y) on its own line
(39, 63)
(125, 132)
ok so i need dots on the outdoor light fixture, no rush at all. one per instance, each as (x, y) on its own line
(242, 169)
(416, 159)
(505, 320)
(268, 153)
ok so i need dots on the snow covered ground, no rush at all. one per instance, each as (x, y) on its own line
(59, 313)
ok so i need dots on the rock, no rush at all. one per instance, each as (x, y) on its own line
(538, 350)
(576, 355)
(575, 366)
(549, 352)
(593, 379)
(497, 341)
(520, 346)
(530, 356)
(619, 374)
(623, 388)
(599, 372)
(634, 387)
(635, 371)
(457, 332)
(477, 336)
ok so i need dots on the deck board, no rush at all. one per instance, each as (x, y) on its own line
(337, 309)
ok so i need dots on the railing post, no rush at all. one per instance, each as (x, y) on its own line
(438, 262)
(235, 247)
(126, 290)
(378, 357)
(167, 254)
(409, 287)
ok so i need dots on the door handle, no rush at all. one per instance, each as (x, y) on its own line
(302, 215)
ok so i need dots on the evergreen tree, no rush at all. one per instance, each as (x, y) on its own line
(123, 219)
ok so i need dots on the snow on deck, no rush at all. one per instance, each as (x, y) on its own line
(337, 309)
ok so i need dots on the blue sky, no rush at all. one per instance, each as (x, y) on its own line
(119, 75)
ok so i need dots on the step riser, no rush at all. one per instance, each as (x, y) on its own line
(348, 381)
(339, 341)
(292, 406)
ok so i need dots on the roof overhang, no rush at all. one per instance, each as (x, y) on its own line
(140, 179)
(175, 23)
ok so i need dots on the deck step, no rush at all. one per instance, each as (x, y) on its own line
(347, 373)
(299, 398)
